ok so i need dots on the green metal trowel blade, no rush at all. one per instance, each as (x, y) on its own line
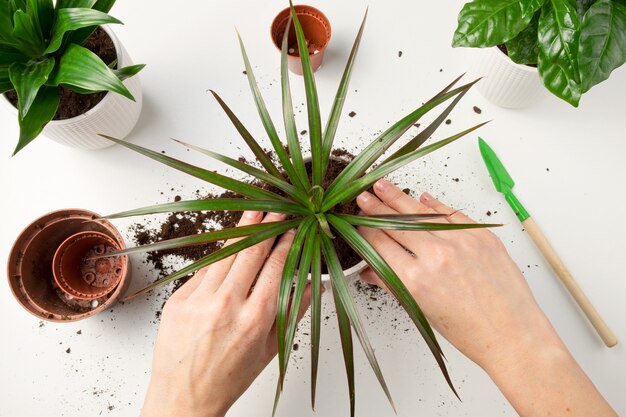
(501, 178)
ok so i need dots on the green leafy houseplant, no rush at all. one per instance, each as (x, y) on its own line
(311, 209)
(41, 50)
(575, 44)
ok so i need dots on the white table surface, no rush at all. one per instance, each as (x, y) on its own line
(568, 164)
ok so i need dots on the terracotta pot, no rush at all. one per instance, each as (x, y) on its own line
(316, 28)
(115, 115)
(30, 270)
(80, 276)
(505, 83)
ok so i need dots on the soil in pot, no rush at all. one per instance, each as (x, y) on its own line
(73, 104)
(185, 223)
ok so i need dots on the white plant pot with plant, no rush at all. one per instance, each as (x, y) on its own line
(505, 83)
(573, 45)
(41, 73)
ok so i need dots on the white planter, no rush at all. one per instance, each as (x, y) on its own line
(351, 274)
(505, 83)
(115, 115)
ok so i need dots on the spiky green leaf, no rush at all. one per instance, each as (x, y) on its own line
(312, 103)
(236, 204)
(291, 131)
(395, 286)
(340, 98)
(223, 253)
(242, 188)
(394, 224)
(340, 289)
(254, 146)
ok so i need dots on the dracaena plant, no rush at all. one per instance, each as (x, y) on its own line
(575, 44)
(41, 49)
(312, 209)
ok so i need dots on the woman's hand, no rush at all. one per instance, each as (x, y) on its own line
(476, 297)
(218, 331)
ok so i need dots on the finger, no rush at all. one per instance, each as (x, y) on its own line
(272, 342)
(265, 292)
(190, 286)
(414, 241)
(370, 277)
(395, 198)
(219, 270)
(454, 216)
(395, 255)
(248, 263)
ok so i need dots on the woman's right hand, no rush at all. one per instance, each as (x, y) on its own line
(476, 297)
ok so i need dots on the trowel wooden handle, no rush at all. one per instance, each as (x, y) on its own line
(570, 283)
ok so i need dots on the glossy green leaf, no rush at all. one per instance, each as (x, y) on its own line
(234, 204)
(582, 6)
(284, 292)
(277, 144)
(364, 182)
(254, 146)
(524, 48)
(291, 131)
(71, 4)
(281, 184)
(10, 55)
(223, 253)
(75, 18)
(27, 35)
(340, 99)
(27, 79)
(316, 314)
(6, 24)
(104, 5)
(395, 286)
(602, 46)
(347, 346)
(128, 71)
(378, 146)
(394, 224)
(340, 289)
(79, 67)
(41, 112)
(558, 33)
(5, 81)
(42, 12)
(197, 239)
(242, 188)
(312, 103)
(484, 23)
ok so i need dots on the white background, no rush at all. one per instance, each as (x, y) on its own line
(192, 47)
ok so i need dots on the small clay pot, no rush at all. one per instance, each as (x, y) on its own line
(316, 28)
(78, 274)
(30, 266)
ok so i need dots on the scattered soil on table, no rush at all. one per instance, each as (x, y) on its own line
(477, 110)
(399, 54)
(74, 104)
(448, 121)
(352, 114)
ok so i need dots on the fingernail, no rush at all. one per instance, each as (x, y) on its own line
(251, 214)
(382, 185)
(291, 231)
(364, 197)
(427, 197)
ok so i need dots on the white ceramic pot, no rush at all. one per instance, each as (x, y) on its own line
(505, 83)
(351, 274)
(115, 115)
